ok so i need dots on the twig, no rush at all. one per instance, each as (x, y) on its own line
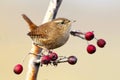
(77, 34)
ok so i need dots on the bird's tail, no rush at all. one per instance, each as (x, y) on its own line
(32, 26)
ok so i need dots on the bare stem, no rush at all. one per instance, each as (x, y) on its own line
(32, 66)
(52, 10)
(77, 34)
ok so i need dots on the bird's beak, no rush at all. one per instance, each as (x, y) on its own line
(73, 21)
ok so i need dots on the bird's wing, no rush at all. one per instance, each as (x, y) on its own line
(38, 34)
(43, 32)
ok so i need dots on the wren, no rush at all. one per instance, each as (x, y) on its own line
(50, 35)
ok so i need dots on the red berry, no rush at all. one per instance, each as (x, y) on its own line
(72, 60)
(53, 56)
(18, 68)
(89, 36)
(101, 43)
(91, 49)
(45, 59)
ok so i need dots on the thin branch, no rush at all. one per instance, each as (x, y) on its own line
(77, 34)
(33, 67)
(57, 7)
(52, 10)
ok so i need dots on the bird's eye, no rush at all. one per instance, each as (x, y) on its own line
(62, 22)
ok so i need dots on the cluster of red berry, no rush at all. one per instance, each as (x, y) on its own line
(89, 36)
(91, 48)
(50, 58)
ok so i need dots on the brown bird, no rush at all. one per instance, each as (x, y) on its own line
(50, 35)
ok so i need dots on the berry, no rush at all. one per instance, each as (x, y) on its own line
(45, 59)
(91, 49)
(18, 69)
(101, 43)
(53, 56)
(72, 60)
(89, 36)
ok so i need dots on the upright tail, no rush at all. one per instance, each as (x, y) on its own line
(32, 26)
